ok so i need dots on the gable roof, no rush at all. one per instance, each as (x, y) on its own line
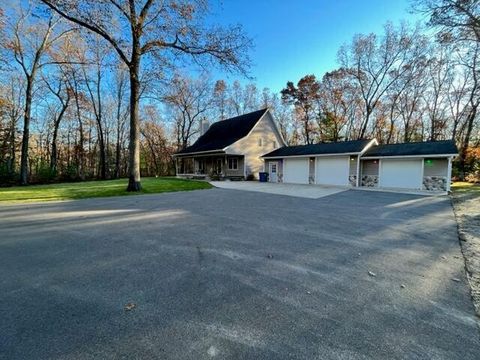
(341, 147)
(446, 147)
(224, 133)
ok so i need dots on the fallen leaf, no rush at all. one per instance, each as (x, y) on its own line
(129, 306)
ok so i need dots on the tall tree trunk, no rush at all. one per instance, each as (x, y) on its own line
(134, 146)
(26, 132)
(54, 153)
(12, 165)
(80, 153)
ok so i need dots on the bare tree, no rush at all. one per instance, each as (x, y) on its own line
(376, 64)
(159, 29)
(63, 94)
(29, 44)
(189, 100)
(460, 18)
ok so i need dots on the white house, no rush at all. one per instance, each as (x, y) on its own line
(231, 148)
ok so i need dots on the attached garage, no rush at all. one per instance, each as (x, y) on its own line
(401, 173)
(408, 166)
(295, 171)
(332, 170)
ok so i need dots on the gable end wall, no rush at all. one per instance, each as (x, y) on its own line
(249, 147)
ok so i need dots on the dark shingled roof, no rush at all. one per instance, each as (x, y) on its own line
(416, 148)
(224, 133)
(341, 147)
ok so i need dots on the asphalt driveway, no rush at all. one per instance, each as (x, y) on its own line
(228, 274)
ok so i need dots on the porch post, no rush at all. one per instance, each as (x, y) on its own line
(449, 173)
(357, 182)
(225, 167)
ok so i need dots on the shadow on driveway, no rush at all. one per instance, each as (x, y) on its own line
(231, 274)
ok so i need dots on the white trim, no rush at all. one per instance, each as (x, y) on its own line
(368, 146)
(277, 129)
(423, 174)
(449, 173)
(310, 155)
(379, 172)
(408, 156)
(357, 182)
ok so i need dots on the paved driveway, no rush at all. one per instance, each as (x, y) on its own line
(228, 274)
(298, 190)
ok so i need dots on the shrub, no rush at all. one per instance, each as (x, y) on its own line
(44, 173)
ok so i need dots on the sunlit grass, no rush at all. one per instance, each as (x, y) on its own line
(463, 187)
(91, 189)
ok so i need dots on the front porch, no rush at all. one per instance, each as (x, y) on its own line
(211, 167)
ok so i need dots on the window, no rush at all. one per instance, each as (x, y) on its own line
(260, 142)
(274, 144)
(233, 164)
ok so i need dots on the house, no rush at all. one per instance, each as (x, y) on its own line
(416, 166)
(232, 148)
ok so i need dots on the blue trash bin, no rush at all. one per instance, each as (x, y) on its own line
(263, 176)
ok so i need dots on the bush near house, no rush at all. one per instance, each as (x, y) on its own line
(472, 167)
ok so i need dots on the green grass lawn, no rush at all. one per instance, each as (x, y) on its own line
(465, 187)
(90, 189)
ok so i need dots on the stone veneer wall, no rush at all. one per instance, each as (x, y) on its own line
(435, 183)
(370, 180)
(352, 179)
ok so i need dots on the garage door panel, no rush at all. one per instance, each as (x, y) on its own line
(403, 174)
(332, 170)
(295, 171)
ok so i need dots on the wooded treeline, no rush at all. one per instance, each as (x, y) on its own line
(66, 90)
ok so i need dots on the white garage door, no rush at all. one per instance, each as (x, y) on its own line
(405, 174)
(332, 170)
(295, 171)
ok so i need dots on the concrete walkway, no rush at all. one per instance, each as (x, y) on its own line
(310, 191)
(297, 190)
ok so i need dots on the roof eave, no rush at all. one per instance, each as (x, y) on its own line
(311, 155)
(198, 152)
(372, 157)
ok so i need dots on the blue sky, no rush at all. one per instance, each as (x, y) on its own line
(295, 38)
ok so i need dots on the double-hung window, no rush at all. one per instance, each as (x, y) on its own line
(233, 164)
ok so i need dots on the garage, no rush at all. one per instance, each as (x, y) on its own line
(365, 163)
(332, 170)
(296, 171)
(401, 173)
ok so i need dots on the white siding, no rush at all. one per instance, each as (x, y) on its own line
(266, 130)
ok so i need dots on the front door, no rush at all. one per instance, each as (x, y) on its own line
(273, 168)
